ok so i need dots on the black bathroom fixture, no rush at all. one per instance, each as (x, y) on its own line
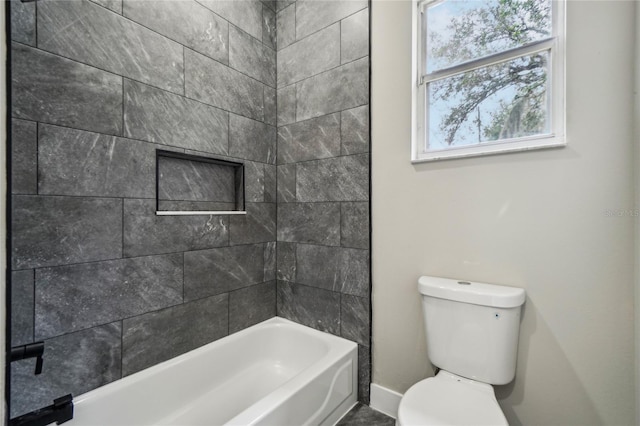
(59, 412)
(62, 408)
(32, 350)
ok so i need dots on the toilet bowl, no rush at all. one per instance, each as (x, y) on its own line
(447, 399)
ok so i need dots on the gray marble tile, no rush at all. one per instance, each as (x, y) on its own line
(281, 4)
(354, 36)
(88, 33)
(333, 268)
(75, 162)
(251, 57)
(93, 35)
(24, 157)
(286, 26)
(186, 180)
(309, 140)
(50, 231)
(257, 226)
(75, 297)
(286, 261)
(364, 385)
(145, 233)
(220, 270)
(309, 306)
(115, 5)
(216, 84)
(287, 183)
(312, 15)
(310, 56)
(269, 37)
(338, 89)
(157, 116)
(319, 266)
(254, 182)
(270, 106)
(22, 285)
(185, 21)
(354, 225)
(158, 336)
(51, 89)
(286, 105)
(334, 179)
(244, 14)
(251, 305)
(270, 261)
(74, 363)
(355, 130)
(23, 22)
(313, 223)
(355, 270)
(251, 140)
(354, 319)
(270, 183)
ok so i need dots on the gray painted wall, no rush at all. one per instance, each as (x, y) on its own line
(97, 87)
(323, 258)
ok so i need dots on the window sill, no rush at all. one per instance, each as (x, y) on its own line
(490, 148)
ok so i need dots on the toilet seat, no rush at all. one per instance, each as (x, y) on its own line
(450, 400)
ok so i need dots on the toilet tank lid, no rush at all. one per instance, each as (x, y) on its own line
(498, 296)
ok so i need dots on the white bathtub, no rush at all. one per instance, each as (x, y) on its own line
(273, 373)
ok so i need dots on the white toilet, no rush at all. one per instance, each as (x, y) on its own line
(472, 337)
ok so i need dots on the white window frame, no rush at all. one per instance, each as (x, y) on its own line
(555, 44)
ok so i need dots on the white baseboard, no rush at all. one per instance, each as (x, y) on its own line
(385, 400)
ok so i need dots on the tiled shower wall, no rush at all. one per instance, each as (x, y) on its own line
(323, 258)
(97, 87)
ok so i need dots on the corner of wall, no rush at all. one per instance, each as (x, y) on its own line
(3, 192)
(636, 119)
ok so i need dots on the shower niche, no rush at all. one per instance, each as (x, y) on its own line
(188, 184)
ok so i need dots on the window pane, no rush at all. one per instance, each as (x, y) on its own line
(502, 101)
(462, 30)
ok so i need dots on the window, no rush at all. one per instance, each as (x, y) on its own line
(489, 77)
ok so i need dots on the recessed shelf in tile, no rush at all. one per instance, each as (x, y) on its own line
(189, 184)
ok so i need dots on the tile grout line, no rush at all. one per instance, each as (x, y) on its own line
(137, 315)
(179, 42)
(35, 26)
(121, 348)
(122, 131)
(37, 158)
(33, 330)
(199, 101)
(140, 256)
(157, 144)
(184, 72)
(183, 275)
(326, 71)
(122, 230)
(151, 84)
(323, 28)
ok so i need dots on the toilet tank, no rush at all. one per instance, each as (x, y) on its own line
(472, 328)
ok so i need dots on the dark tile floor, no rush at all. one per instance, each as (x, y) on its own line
(363, 415)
